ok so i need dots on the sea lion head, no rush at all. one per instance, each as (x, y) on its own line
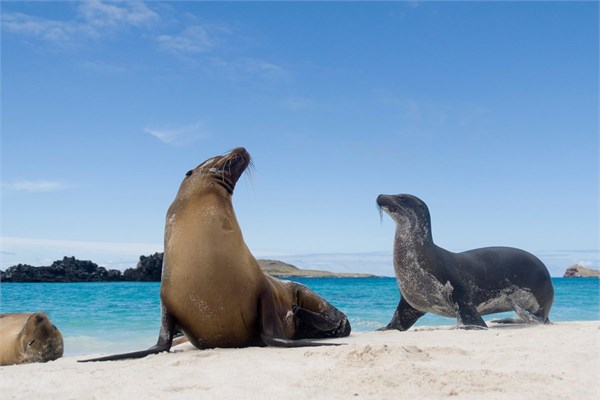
(219, 173)
(409, 212)
(40, 340)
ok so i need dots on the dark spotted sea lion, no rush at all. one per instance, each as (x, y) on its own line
(28, 338)
(212, 287)
(463, 285)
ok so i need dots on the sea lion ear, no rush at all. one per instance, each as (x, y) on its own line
(34, 319)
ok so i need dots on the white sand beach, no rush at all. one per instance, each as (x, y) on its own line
(559, 361)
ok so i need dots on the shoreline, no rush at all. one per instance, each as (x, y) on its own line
(558, 361)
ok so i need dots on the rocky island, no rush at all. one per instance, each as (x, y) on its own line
(577, 271)
(148, 269)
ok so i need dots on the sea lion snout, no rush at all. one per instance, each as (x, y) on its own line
(390, 203)
(232, 164)
(384, 202)
(393, 204)
(225, 170)
(236, 162)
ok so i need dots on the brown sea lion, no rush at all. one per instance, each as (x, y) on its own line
(212, 287)
(28, 338)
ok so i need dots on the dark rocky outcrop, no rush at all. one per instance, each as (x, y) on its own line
(148, 269)
(69, 269)
(577, 271)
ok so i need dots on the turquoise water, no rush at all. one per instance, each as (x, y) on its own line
(113, 317)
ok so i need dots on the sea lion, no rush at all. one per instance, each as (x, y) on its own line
(212, 287)
(463, 285)
(28, 338)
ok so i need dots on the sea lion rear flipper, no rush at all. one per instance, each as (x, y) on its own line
(312, 318)
(281, 342)
(165, 340)
(508, 321)
(272, 325)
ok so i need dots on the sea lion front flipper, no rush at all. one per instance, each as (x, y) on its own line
(164, 342)
(469, 318)
(404, 317)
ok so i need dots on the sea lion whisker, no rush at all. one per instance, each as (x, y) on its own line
(380, 210)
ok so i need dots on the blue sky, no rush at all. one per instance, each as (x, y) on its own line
(487, 111)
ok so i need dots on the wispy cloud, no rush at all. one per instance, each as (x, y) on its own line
(260, 67)
(200, 44)
(248, 68)
(178, 135)
(93, 20)
(194, 39)
(35, 186)
(103, 14)
(63, 32)
(104, 68)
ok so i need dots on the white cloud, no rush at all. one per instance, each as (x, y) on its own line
(35, 186)
(248, 68)
(178, 135)
(103, 68)
(194, 39)
(63, 32)
(260, 67)
(96, 19)
(101, 14)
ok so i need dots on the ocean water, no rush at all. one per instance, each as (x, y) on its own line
(102, 318)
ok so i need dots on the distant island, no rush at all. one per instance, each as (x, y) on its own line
(283, 270)
(148, 269)
(577, 271)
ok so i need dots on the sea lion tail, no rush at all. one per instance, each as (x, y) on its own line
(134, 354)
(280, 342)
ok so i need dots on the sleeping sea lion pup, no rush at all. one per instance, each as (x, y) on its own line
(28, 338)
(212, 287)
(463, 285)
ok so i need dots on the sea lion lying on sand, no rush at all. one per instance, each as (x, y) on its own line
(28, 338)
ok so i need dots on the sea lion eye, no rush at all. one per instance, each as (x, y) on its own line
(189, 172)
(31, 343)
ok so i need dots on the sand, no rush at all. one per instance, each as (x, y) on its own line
(559, 361)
